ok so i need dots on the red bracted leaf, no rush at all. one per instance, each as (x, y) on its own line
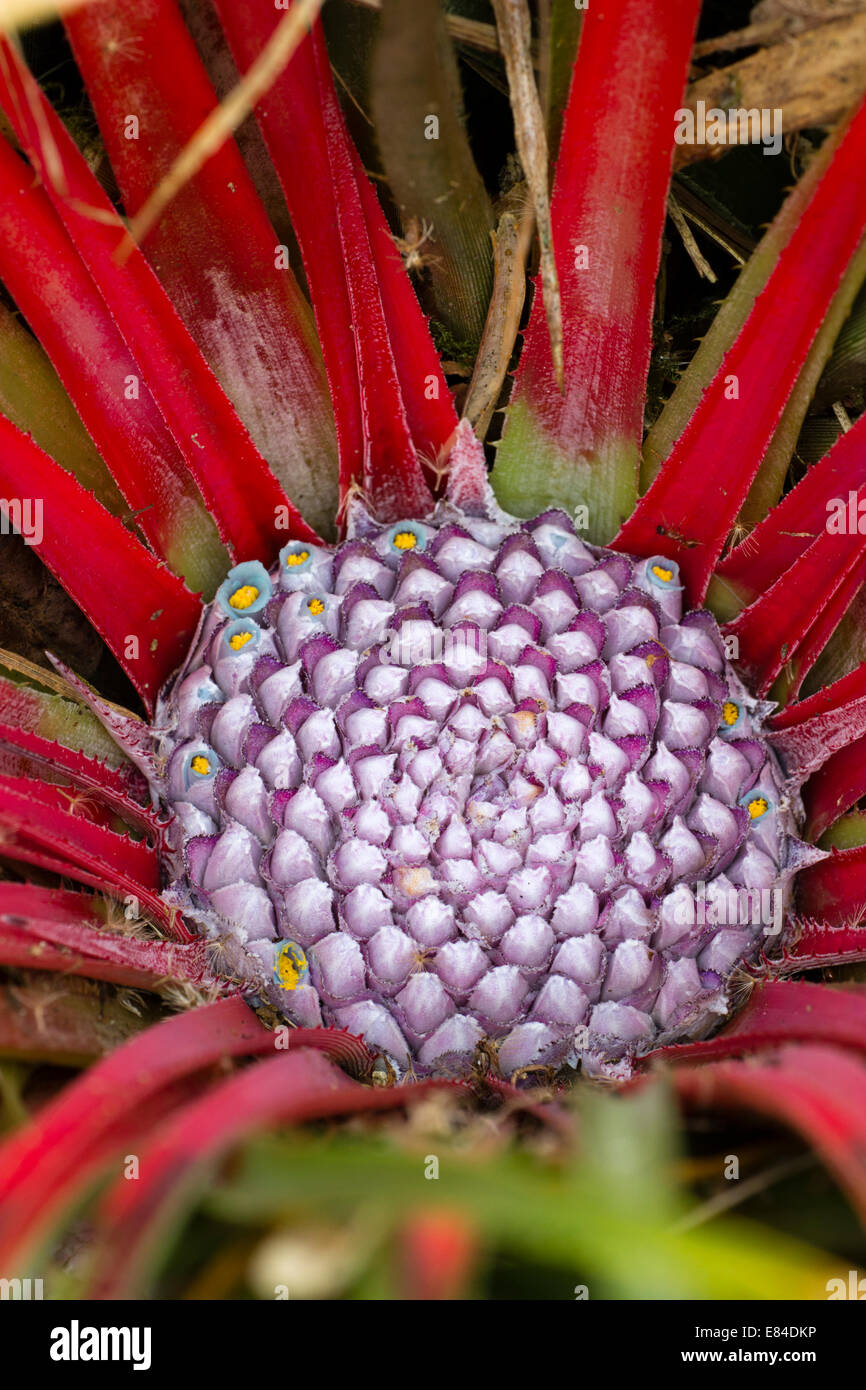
(782, 1013)
(795, 617)
(582, 444)
(429, 408)
(835, 788)
(800, 518)
(834, 891)
(244, 498)
(21, 848)
(55, 929)
(110, 785)
(832, 706)
(810, 731)
(816, 637)
(42, 813)
(242, 305)
(304, 129)
(283, 1090)
(131, 734)
(58, 719)
(818, 1091)
(53, 291)
(689, 510)
(818, 944)
(50, 1163)
(146, 615)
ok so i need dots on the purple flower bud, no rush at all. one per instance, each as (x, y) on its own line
(488, 784)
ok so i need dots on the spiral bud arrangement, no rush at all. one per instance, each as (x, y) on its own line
(474, 781)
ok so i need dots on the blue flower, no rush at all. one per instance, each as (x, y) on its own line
(245, 590)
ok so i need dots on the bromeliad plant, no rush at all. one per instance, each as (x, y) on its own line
(478, 791)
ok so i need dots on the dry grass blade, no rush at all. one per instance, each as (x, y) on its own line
(49, 680)
(510, 249)
(225, 118)
(740, 1192)
(702, 266)
(515, 37)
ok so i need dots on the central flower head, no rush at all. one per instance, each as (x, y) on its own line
(474, 780)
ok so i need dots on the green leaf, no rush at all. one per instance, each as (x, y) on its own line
(609, 1216)
(33, 398)
(418, 110)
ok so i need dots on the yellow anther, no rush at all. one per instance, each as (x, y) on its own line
(730, 713)
(239, 640)
(405, 540)
(200, 765)
(244, 596)
(316, 607)
(298, 558)
(291, 964)
(660, 573)
(758, 807)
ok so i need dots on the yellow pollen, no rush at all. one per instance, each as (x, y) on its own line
(660, 573)
(244, 596)
(758, 807)
(730, 713)
(200, 764)
(239, 640)
(290, 967)
(299, 558)
(405, 540)
(316, 607)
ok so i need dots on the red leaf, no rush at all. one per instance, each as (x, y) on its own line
(37, 809)
(810, 731)
(835, 788)
(157, 610)
(689, 510)
(833, 705)
(298, 1087)
(819, 944)
(834, 891)
(45, 1165)
(53, 291)
(824, 627)
(797, 576)
(244, 498)
(111, 786)
(583, 444)
(51, 1162)
(801, 518)
(818, 1091)
(55, 929)
(268, 361)
(305, 133)
(782, 1013)
(792, 621)
(430, 411)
